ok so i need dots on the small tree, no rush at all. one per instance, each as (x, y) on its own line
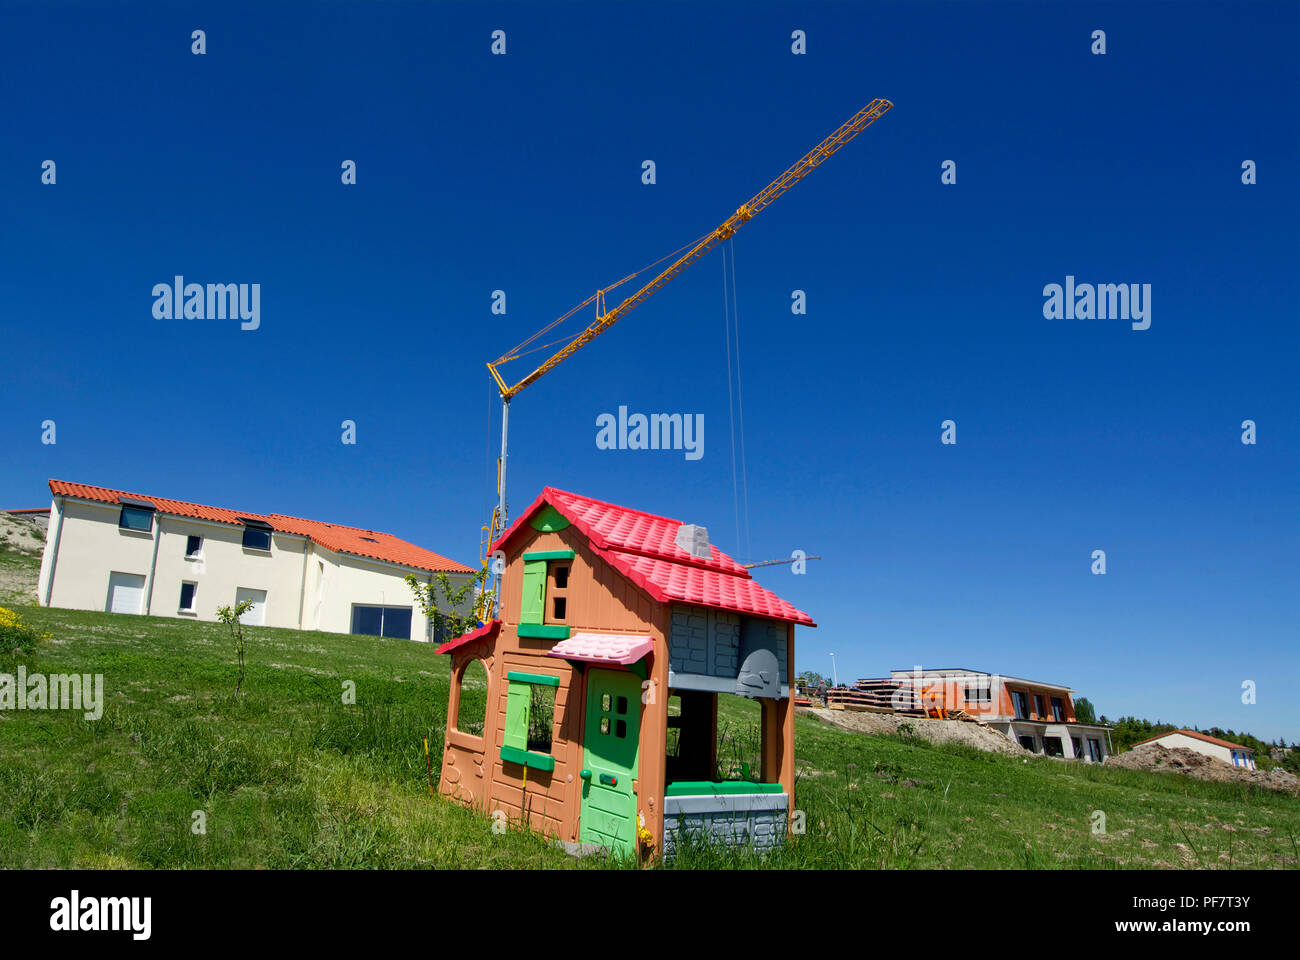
(811, 678)
(448, 620)
(230, 617)
(1083, 711)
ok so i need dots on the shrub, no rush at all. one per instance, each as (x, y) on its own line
(16, 636)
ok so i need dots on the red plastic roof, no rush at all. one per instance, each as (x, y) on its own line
(487, 631)
(332, 536)
(642, 547)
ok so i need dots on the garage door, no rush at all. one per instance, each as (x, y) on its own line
(125, 592)
(256, 615)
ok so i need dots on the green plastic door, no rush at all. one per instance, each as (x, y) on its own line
(609, 763)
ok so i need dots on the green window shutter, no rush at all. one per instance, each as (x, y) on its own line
(534, 596)
(518, 698)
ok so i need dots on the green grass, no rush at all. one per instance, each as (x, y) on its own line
(288, 776)
(18, 572)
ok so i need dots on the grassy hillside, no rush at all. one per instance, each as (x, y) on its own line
(288, 776)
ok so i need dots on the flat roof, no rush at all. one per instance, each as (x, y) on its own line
(962, 671)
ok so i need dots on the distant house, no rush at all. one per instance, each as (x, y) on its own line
(130, 553)
(1225, 750)
(1039, 716)
(37, 516)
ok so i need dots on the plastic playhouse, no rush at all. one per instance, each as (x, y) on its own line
(606, 616)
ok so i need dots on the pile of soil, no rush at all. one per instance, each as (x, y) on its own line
(21, 544)
(21, 535)
(1161, 759)
(935, 731)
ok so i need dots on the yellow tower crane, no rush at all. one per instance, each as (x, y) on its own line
(685, 256)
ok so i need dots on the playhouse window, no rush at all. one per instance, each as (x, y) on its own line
(739, 744)
(543, 603)
(674, 740)
(558, 577)
(471, 706)
(541, 718)
(530, 719)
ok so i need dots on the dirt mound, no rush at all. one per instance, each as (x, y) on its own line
(1161, 759)
(21, 544)
(935, 731)
(21, 535)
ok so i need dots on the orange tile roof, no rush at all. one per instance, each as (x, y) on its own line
(1198, 736)
(332, 536)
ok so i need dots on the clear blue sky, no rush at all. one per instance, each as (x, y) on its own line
(523, 173)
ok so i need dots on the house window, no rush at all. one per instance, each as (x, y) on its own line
(1094, 749)
(1058, 710)
(530, 719)
(193, 546)
(1077, 743)
(373, 621)
(1053, 747)
(187, 597)
(1028, 744)
(545, 571)
(978, 693)
(1020, 700)
(256, 538)
(1040, 708)
(471, 703)
(557, 577)
(136, 518)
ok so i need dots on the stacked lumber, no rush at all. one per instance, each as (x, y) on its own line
(889, 695)
(859, 700)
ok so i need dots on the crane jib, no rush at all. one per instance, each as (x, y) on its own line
(815, 157)
(604, 320)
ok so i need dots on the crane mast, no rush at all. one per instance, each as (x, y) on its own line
(606, 319)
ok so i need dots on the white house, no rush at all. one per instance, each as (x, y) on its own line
(1225, 750)
(128, 553)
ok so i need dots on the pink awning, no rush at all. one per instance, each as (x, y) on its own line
(617, 648)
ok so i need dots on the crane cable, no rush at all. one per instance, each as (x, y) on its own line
(514, 354)
(735, 404)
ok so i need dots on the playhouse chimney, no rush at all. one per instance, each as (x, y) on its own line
(694, 539)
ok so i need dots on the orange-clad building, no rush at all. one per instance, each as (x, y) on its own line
(1039, 716)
